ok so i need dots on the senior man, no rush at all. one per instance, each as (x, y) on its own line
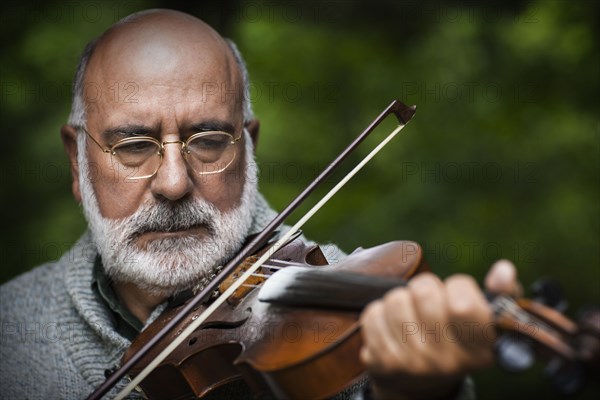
(164, 174)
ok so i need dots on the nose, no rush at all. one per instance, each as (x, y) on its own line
(172, 180)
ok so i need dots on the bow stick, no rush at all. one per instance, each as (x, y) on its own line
(402, 112)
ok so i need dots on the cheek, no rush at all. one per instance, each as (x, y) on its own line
(117, 197)
(224, 190)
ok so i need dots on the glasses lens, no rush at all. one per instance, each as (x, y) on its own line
(210, 152)
(139, 157)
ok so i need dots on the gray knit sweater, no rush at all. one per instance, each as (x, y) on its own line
(57, 338)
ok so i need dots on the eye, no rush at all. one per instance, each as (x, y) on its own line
(137, 147)
(212, 142)
(134, 153)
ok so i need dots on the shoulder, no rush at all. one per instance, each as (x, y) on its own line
(30, 305)
(29, 339)
(39, 289)
(40, 332)
(30, 293)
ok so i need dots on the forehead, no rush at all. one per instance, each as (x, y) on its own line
(151, 76)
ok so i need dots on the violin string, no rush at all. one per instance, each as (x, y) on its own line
(261, 275)
(504, 305)
(235, 285)
(272, 266)
(287, 262)
(534, 327)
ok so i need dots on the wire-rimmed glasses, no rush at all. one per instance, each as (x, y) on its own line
(208, 152)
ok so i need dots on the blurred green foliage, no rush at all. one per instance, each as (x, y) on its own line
(501, 160)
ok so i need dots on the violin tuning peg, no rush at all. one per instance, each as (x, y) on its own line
(588, 339)
(514, 353)
(567, 378)
(549, 293)
(589, 319)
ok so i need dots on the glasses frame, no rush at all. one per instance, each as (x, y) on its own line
(109, 149)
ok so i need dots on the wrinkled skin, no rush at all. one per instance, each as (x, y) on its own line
(421, 340)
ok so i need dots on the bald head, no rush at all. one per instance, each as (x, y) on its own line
(162, 43)
(166, 46)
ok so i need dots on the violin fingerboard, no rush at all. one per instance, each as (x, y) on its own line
(312, 287)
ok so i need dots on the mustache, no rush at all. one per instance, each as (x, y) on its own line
(167, 216)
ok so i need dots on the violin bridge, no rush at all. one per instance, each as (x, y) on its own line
(252, 282)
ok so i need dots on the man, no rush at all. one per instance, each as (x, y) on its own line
(167, 186)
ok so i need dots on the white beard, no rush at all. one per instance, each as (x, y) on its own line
(170, 265)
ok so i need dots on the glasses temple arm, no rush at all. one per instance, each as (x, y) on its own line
(104, 149)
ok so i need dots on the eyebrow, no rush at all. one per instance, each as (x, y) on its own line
(213, 125)
(126, 131)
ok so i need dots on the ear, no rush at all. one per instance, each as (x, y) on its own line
(68, 135)
(253, 127)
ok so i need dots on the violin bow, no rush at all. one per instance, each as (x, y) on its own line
(402, 112)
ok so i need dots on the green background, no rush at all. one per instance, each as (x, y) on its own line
(501, 160)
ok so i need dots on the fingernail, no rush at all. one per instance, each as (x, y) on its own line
(504, 270)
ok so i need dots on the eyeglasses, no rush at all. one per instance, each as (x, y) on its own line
(209, 152)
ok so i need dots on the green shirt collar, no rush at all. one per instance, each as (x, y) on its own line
(126, 323)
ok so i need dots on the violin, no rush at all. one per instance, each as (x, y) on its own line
(280, 319)
(291, 328)
(296, 322)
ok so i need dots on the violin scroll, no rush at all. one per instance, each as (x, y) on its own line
(536, 329)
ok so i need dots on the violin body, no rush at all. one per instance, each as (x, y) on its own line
(290, 351)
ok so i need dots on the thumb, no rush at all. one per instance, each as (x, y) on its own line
(502, 279)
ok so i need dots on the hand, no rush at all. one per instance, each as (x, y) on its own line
(421, 340)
